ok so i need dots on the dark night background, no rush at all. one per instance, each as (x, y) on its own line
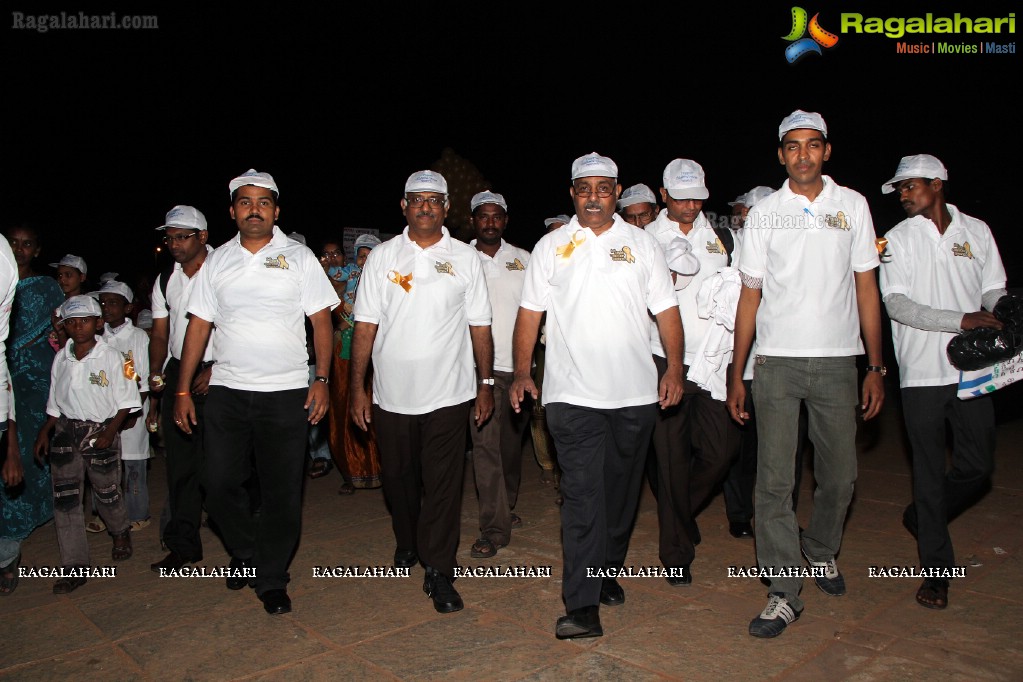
(106, 130)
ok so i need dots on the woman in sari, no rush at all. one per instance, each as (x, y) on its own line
(354, 450)
(28, 503)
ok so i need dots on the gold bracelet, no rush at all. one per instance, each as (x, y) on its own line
(185, 393)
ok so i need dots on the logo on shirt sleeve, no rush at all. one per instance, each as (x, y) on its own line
(280, 262)
(515, 265)
(963, 250)
(99, 379)
(623, 254)
(404, 281)
(444, 268)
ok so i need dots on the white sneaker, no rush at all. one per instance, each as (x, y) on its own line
(775, 617)
(827, 576)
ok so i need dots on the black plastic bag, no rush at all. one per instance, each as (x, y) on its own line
(980, 348)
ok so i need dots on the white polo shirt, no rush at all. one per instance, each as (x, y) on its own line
(133, 344)
(505, 273)
(950, 271)
(711, 253)
(93, 388)
(596, 291)
(806, 254)
(423, 301)
(258, 303)
(179, 288)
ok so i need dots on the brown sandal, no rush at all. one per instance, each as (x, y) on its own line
(933, 594)
(66, 585)
(122, 546)
(483, 548)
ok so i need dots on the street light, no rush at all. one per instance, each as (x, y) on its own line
(156, 257)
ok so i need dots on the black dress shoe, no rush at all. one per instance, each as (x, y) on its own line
(405, 558)
(276, 601)
(580, 623)
(740, 529)
(611, 593)
(173, 562)
(679, 576)
(238, 566)
(439, 588)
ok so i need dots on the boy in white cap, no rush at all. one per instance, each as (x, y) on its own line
(497, 444)
(71, 271)
(942, 275)
(596, 278)
(115, 301)
(253, 295)
(423, 315)
(808, 292)
(694, 442)
(90, 399)
(638, 205)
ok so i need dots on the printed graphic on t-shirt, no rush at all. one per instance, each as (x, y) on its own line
(837, 221)
(963, 250)
(279, 262)
(716, 246)
(515, 265)
(445, 268)
(623, 254)
(99, 379)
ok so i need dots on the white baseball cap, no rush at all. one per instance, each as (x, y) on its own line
(185, 218)
(802, 119)
(145, 319)
(916, 166)
(637, 194)
(298, 237)
(254, 177)
(685, 179)
(756, 195)
(594, 165)
(115, 287)
(80, 306)
(560, 218)
(739, 201)
(107, 276)
(366, 241)
(426, 181)
(487, 197)
(72, 261)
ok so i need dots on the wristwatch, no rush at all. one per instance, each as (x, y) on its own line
(488, 382)
(880, 369)
(322, 380)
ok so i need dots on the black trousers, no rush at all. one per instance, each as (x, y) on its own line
(940, 496)
(601, 454)
(184, 464)
(422, 460)
(265, 430)
(695, 442)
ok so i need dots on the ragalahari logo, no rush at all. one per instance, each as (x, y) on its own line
(802, 46)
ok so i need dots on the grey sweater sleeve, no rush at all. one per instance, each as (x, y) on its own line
(901, 309)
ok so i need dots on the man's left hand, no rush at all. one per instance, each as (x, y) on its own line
(317, 401)
(484, 406)
(873, 395)
(670, 391)
(201, 382)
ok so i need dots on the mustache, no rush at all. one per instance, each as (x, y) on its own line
(254, 216)
(592, 204)
(424, 214)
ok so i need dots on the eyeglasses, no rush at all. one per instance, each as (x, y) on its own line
(418, 201)
(645, 215)
(178, 239)
(332, 254)
(602, 190)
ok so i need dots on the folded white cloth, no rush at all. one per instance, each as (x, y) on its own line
(681, 261)
(717, 300)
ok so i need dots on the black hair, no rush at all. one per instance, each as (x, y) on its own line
(235, 194)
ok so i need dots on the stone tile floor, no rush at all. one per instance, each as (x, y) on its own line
(140, 626)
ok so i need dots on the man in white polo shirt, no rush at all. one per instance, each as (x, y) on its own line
(497, 444)
(596, 278)
(423, 314)
(185, 237)
(808, 291)
(257, 289)
(694, 442)
(942, 275)
(638, 205)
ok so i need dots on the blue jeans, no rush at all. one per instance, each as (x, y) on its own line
(319, 445)
(136, 489)
(828, 388)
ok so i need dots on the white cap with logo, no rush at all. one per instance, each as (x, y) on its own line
(72, 261)
(114, 287)
(560, 218)
(916, 166)
(637, 194)
(756, 195)
(80, 306)
(685, 179)
(802, 119)
(254, 177)
(185, 218)
(366, 241)
(594, 165)
(426, 181)
(487, 197)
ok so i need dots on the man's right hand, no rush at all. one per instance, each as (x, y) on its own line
(184, 413)
(978, 320)
(361, 409)
(736, 400)
(518, 390)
